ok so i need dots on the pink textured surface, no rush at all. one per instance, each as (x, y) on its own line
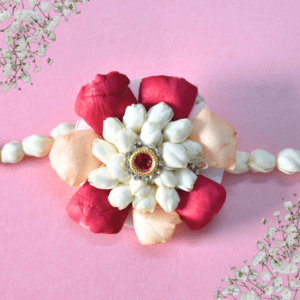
(243, 56)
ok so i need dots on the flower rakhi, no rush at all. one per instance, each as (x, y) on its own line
(142, 148)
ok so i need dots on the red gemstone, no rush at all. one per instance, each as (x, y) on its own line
(143, 162)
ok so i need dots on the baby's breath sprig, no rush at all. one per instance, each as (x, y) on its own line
(29, 35)
(273, 273)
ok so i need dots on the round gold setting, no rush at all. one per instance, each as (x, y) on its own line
(149, 171)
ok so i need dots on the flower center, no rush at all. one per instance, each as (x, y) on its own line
(143, 162)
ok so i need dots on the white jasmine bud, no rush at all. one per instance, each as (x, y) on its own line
(160, 113)
(241, 166)
(124, 138)
(185, 179)
(139, 188)
(167, 198)
(101, 179)
(288, 161)
(174, 155)
(103, 150)
(151, 134)
(261, 161)
(116, 168)
(134, 117)
(193, 149)
(120, 196)
(12, 153)
(178, 131)
(62, 129)
(166, 178)
(111, 126)
(37, 145)
(145, 203)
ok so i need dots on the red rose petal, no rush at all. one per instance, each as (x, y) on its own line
(178, 93)
(105, 96)
(90, 207)
(198, 207)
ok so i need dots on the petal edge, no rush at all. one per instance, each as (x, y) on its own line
(197, 208)
(90, 208)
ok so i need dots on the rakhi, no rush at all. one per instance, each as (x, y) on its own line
(150, 148)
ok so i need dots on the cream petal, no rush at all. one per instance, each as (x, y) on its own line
(174, 155)
(166, 178)
(151, 134)
(72, 158)
(139, 188)
(111, 126)
(167, 198)
(185, 179)
(217, 138)
(116, 168)
(134, 117)
(154, 228)
(101, 179)
(161, 114)
(193, 149)
(145, 203)
(178, 131)
(124, 138)
(103, 150)
(120, 196)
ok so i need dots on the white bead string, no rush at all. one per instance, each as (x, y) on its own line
(36, 145)
(287, 161)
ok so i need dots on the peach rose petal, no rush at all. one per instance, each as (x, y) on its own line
(72, 158)
(217, 138)
(154, 228)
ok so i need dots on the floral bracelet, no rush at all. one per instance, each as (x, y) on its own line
(143, 148)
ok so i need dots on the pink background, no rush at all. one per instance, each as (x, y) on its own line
(243, 56)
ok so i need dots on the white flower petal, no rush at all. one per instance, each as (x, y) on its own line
(151, 134)
(12, 153)
(178, 131)
(116, 168)
(62, 129)
(288, 161)
(139, 188)
(185, 179)
(37, 145)
(241, 165)
(261, 161)
(166, 178)
(146, 203)
(193, 149)
(111, 126)
(101, 179)
(124, 138)
(120, 196)
(134, 117)
(160, 113)
(167, 198)
(174, 155)
(103, 150)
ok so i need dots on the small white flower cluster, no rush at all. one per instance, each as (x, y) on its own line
(146, 158)
(29, 35)
(274, 272)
